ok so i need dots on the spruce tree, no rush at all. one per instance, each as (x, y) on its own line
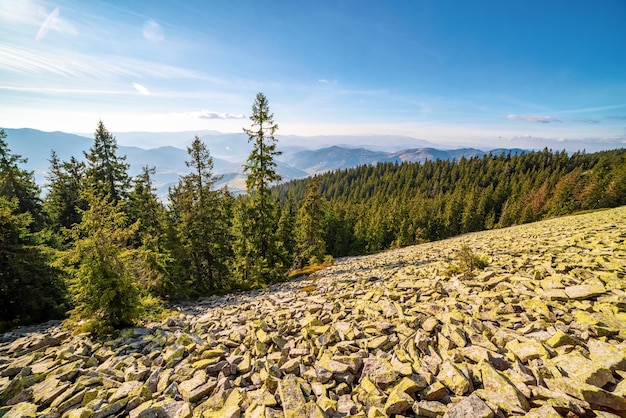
(149, 241)
(144, 206)
(260, 259)
(310, 227)
(107, 173)
(286, 229)
(63, 201)
(103, 283)
(17, 183)
(30, 289)
(202, 220)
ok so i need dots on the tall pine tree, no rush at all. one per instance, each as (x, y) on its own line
(259, 258)
(107, 173)
(202, 220)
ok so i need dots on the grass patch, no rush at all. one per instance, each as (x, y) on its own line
(308, 289)
(305, 271)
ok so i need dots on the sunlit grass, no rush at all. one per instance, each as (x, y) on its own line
(307, 270)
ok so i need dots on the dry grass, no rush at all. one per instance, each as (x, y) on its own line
(308, 289)
(305, 271)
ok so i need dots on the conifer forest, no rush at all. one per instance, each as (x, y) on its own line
(101, 249)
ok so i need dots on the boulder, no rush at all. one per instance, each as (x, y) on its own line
(470, 407)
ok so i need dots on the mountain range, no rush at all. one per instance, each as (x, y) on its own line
(230, 151)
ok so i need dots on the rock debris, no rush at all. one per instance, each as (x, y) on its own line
(540, 332)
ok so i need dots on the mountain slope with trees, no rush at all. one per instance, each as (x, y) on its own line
(102, 247)
(371, 208)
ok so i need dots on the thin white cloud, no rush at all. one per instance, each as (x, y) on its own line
(533, 119)
(617, 117)
(141, 89)
(152, 31)
(591, 109)
(22, 60)
(23, 15)
(583, 120)
(208, 114)
(53, 22)
(550, 119)
(49, 23)
(49, 90)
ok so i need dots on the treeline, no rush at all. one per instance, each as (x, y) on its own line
(372, 208)
(101, 246)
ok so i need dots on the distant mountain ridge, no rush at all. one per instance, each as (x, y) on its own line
(229, 153)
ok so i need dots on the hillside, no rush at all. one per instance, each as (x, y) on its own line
(540, 331)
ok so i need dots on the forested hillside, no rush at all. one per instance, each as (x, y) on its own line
(103, 248)
(371, 208)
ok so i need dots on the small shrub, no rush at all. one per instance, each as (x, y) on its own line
(153, 308)
(94, 328)
(466, 263)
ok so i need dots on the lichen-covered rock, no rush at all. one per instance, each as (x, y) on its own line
(589, 393)
(470, 407)
(398, 402)
(496, 382)
(434, 392)
(79, 413)
(545, 411)
(560, 338)
(543, 326)
(454, 379)
(22, 410)
(585, 291)
(527, 350)
(430, 409)
(380, 371)
(578, 367)
(613, 357)
(291, 396)
(231, 408)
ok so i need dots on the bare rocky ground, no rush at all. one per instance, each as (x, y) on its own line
(540, 332)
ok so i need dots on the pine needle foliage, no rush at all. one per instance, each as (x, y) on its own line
(17, 183)
(103, 284)
(201, 217)
(310, 227)
(30, 289)
(259, 258)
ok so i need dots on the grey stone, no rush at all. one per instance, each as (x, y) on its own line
(470, 407)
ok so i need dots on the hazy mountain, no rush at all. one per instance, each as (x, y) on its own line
(388, 143)
(333, 158)
(224, 145)
(230, 152)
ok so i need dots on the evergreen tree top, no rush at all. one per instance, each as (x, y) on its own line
(261, 166)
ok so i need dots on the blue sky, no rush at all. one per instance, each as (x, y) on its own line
(492, 73)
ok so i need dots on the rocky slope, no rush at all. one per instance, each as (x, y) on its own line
(540, 332)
